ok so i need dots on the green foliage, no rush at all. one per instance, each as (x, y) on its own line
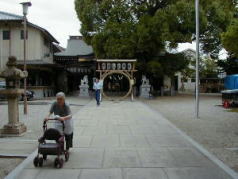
(230, 38)
(219, 15)
(143, 29)
(208, 68)
(230, 65)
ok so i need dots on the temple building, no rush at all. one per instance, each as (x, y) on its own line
(75, 62)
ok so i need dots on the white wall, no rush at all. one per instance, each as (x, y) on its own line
(188, 86)
(167, 83)
(36, 48)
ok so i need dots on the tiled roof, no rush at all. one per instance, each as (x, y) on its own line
(76, 47)
(5, 16)
(9, 16)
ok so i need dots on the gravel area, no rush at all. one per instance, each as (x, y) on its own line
(7, 165)
(216, 129)
(37, 110)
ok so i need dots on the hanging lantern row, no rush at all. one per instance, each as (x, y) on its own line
(78, 70)
(115, 66)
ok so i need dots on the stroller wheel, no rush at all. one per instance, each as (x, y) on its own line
(45, 157)
(36, 161)
(61, 163)
(56, 163)
(66, 156)
(40, 162)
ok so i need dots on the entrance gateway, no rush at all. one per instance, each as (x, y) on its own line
(117, 69)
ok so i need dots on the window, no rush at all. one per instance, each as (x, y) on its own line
(6, 35)
(22, 34)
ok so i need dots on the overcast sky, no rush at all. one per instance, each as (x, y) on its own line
(56, 16)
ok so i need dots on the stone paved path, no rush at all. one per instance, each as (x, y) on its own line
(127, 140)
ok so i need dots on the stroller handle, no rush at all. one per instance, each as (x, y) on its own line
(52, 119)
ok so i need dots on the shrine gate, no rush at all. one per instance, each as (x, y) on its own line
(121, 68)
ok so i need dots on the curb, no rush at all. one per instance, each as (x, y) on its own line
(14, 173)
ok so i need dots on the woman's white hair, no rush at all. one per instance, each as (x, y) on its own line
(60, 95)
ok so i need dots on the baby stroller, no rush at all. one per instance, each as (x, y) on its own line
(56, 148)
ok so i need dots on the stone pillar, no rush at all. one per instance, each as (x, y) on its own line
(14, 127)
(13, 110)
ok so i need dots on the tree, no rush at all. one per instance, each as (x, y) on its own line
(230, 39)
(230, 65)
(208, 68)
(144, 29)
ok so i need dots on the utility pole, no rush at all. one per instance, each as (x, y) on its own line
(25, 6)
(197, 59)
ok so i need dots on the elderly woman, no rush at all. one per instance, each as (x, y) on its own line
(62, 109)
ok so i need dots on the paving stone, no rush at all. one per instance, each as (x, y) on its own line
(167, 141)
(118, 130)
(78, 130)
(147, 130)
(144, 173)
(115, 158)
(134, 141)
(127, 122)
(29, 173)
(144, 121)
(95, 131)
(92, 122)
(189, 157)
(85, 158)
(163, 129)
(106, 141)
(82, 141)
(101, 174)
(107, 122)
(196, 173)
(156, 158)
(59, 174)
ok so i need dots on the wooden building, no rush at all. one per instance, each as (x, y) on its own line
(76, 61)
(40, 49)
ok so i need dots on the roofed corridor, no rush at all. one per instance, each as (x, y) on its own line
(127, 140)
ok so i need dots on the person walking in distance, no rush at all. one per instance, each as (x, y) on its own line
(97, 86)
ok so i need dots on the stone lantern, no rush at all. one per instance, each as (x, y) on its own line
(12, 92)
(145, 87)
(84, 87)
